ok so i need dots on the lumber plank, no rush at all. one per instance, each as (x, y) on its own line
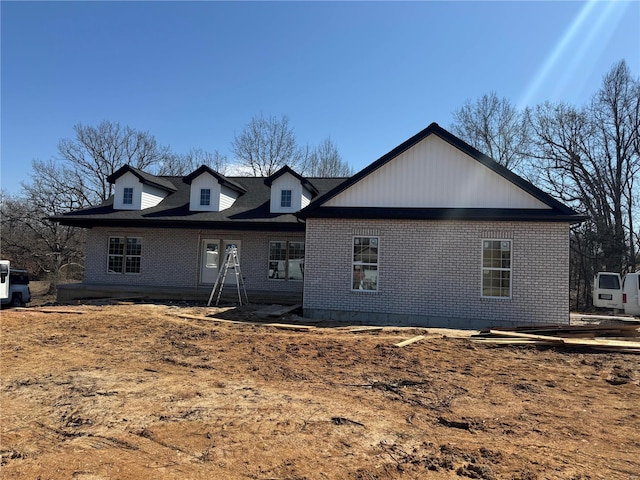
(288, 326)
(210, 319)
(601, 342)
(363, 329)
(548, 338)
(410, 341)
(48, 310)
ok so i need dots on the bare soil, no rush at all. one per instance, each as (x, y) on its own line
(133, 391)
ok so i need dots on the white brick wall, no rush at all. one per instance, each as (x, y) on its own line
(430, 273)
(170, 257)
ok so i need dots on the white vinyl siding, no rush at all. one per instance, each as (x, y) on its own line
(128, 180)
(434, 174)
(227, 197)
(221, 197)
(142, 195)
(286, 182)
(151, 196)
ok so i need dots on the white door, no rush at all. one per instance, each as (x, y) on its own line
(231, 273)
(607, 290)
(631, 291)
(209, 260)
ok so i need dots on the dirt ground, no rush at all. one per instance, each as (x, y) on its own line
(133, 391)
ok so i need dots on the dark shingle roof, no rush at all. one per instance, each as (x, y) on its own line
(222, 180)
(250, 210)
(144, 177)
(287, 169)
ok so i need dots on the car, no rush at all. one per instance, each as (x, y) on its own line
(18, 292)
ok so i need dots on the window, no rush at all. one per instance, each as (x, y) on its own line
(125, 255)
(285, 198)
(127, 198)
(365, 263)
(205, 196)
(610, 282)
(286, 260)
(496, 268)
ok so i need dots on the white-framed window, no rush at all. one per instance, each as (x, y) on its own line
(285, 198)
(496, 268)
(286, 260)
(364, 272)
(127, 196)
(205, 196)
(125, 254)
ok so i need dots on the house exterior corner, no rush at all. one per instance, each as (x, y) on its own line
(430, 273)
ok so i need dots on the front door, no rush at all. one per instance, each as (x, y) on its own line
(209, 260)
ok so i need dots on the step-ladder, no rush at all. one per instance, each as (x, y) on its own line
(232, 262)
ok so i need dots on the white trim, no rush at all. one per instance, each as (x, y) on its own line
(287, 261)
(483, 268)
(124, 255)
(377, 264)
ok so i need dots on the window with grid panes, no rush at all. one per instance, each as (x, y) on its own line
(364, 274)
(127, 198)
(124, 255)
(285, 198)
(286, 260)
(205, 196)
(496, 268)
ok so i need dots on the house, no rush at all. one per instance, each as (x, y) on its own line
(433, 233)
(166, 236)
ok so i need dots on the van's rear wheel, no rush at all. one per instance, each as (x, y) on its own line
(16, 300)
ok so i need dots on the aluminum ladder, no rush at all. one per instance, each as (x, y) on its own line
(230, 261)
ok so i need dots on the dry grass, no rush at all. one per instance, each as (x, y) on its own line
(134, 391)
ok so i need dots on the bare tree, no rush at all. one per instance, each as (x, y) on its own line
(184, 164)
(325, 161)
(496, 128)
(97, 152)
(265, 145)
(589, 158)
(33, 242)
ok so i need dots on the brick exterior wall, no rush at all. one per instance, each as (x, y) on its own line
(171, 257)
(429, 273)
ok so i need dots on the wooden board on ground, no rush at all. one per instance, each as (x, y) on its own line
(289, 326)
(503, 337)
(47, 310)
(410, 341)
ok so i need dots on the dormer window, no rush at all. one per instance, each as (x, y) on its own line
(290, 192)
(127, 197)
(285, 198)
(137, 190)
(210, 191)
(205, 196)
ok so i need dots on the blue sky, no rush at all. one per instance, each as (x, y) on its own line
(367, 74)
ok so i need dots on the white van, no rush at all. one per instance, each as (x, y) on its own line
(14, 285)
(609, 291)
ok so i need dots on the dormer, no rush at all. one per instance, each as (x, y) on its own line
(137, 190)
(290, 191)
(210, 191)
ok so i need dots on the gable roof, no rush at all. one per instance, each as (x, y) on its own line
(555, 211)
(144, 177)
(222, 180)
(286, 169)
